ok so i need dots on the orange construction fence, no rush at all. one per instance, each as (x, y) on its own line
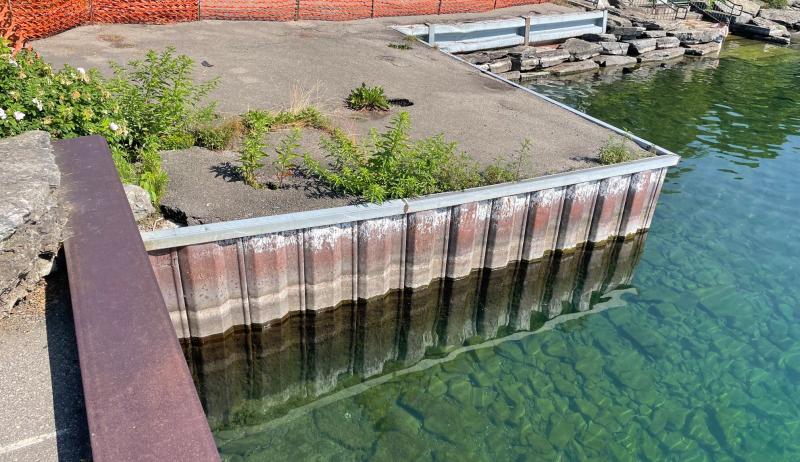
(22, 20)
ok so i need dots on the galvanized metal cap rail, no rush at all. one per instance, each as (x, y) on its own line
(140, 400)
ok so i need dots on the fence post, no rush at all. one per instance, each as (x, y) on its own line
(527, 40)
(431, 35)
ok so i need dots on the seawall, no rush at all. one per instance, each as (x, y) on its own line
(248, 272)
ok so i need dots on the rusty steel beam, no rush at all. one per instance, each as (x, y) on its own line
(141, 402)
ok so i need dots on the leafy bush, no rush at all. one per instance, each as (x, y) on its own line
(777, 3)
(615, 151)
(147, 107)
(252, 151)
(369, 98)
(158, 97)
(389, 165)
(287, 155)
(217, 136)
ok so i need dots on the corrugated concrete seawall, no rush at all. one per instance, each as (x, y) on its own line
(214, 277)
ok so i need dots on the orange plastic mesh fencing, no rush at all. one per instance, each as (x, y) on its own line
(144, 11)
(41, 18)
(405, 7)
(466, 6)
(269, 10)
(335, 10)
(507, 3)
(8, 28)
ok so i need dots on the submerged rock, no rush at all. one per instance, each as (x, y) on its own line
(614, 61)
(702, 49)
(574, 67)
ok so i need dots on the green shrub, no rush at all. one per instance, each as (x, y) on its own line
(308, 116)
(217, 136)
(615, 151)
(511, 168)
(158, 97)
(147, 107)
(390, 166)
(287, 154)
(368, 98)
(777, 3)
(252, 151)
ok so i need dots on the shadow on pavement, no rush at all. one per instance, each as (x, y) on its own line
(70, 414)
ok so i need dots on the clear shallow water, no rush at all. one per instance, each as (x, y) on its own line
(698, 358)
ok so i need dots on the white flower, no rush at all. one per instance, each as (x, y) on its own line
(81, 71)
(37, 103)
(114, 127)
(12, 62)
(19, 115)
(2, 114)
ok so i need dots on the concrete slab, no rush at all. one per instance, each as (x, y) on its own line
(41, 397)
(260, 63)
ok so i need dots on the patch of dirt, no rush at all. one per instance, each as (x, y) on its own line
(116, 41)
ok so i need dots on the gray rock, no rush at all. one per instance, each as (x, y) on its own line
(574, 67)
(581, 49)
(618, 21)
(477, 58)
(654, 33)
(139, 201)
(526, 64)
(527, 76)
(750, 7)
(631, 31)
(497, 54)
(696, 36)
(641, 46)
(504, 65)
(743, 18)
(522, 52)
(772, 28)
(614, 61)
(511, 75)
(614, 48)
(599, 37)
(31, 221)
(549, 58)
(702, 49)
(661, 55)
(667, 42)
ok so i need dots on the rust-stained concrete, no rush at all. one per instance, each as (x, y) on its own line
(211, 287)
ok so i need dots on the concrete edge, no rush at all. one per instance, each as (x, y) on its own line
(200, 234)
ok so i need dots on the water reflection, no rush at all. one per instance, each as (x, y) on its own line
(251, 377)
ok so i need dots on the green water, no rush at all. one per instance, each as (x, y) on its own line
(694, 354)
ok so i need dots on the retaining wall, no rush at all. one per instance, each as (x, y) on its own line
(22, 20)
(214, 277)
(305, 356)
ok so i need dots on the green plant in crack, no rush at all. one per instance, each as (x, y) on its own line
(252, 153)
(368, 98)
(615, 150)
(510, 168)
(287, 154)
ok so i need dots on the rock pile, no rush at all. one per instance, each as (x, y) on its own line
(623, 45)
(769, 25)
